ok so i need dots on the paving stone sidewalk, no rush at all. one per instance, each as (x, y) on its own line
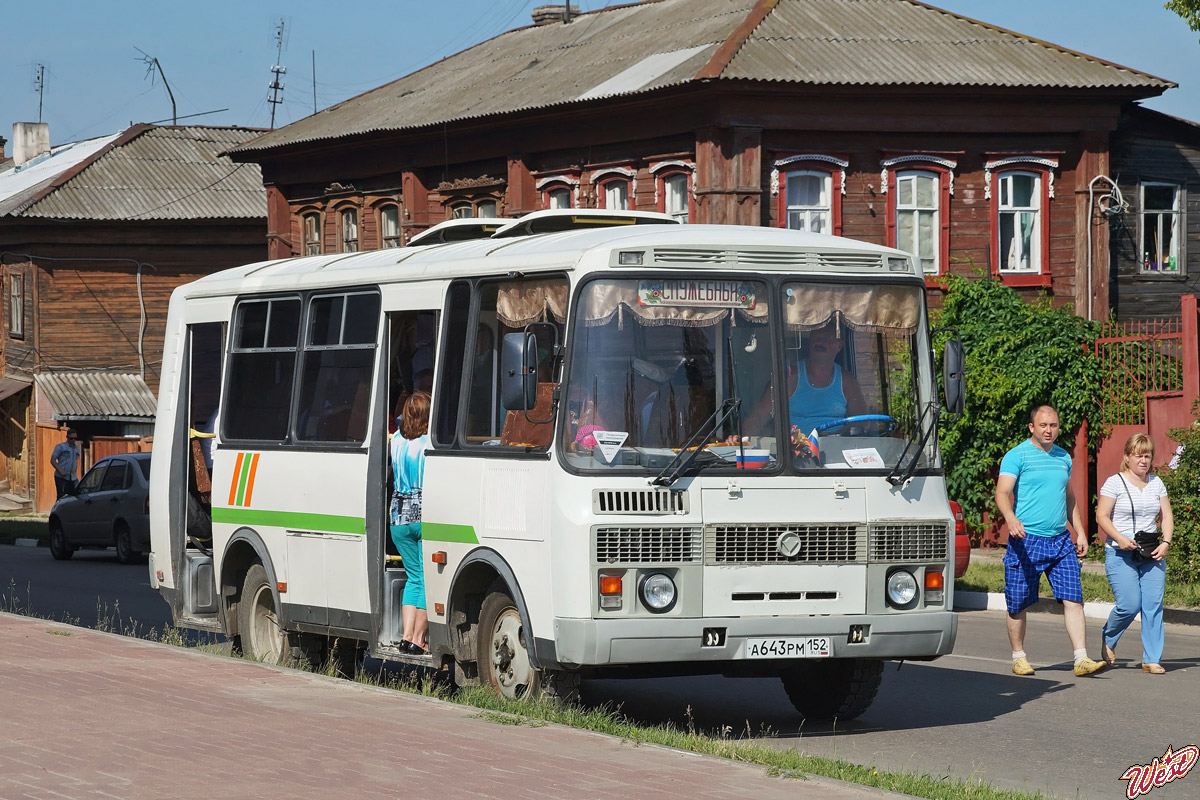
(85, 714)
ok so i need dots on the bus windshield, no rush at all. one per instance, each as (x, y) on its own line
(655, 362)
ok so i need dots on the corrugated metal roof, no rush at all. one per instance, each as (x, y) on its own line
(164, 173)
(20, 185)
(97, 395)
(647, 46)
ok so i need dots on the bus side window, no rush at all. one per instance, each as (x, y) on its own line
(454, 361)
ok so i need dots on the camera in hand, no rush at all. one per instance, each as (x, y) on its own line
(1146, 541)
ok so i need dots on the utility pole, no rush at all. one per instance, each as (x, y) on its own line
(276, 86)
(314, 54)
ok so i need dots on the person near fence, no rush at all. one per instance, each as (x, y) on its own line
(1034, 495)
(407, 450)
(1128, 511)
(64, 458)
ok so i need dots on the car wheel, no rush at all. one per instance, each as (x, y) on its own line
(125, 552)
(58, 542)
(258, 621)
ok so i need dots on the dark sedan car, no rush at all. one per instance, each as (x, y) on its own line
(109, 508)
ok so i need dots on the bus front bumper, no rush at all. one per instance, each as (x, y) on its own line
(592, 642)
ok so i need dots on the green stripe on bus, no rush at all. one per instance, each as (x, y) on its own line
(443, 532)
(294, 520)
(241, 493)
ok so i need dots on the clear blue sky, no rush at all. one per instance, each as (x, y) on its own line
(218, 54)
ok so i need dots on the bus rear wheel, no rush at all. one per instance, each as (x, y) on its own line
(834, 689)
(504, 662)
(258, 621)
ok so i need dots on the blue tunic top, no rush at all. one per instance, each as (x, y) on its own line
(408, 462)
(810, 406)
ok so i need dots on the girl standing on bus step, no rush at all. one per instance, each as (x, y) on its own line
(408, 468)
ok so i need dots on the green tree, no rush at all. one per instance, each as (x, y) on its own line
(1189, 10)
(1019, 354)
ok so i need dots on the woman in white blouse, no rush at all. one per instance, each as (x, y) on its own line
(1130, 501)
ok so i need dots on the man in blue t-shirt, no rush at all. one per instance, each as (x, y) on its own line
(1034, 496)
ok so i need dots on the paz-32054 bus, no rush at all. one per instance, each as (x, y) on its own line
(634, 469)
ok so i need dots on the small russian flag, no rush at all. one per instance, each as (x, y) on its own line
(813, 444)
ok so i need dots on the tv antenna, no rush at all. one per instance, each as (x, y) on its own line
(277, 70)
(39, 85)
(151, 65)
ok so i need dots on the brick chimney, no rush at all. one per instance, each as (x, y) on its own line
(30, 140)
(549, 15)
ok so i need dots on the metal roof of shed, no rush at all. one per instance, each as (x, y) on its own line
(97, 395)
(643, 47)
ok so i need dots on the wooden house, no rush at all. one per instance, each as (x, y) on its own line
(94, 236)
(886, 120)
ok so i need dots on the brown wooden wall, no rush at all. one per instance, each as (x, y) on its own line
(1143, 155)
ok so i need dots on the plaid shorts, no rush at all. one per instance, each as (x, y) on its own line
(1028, 558)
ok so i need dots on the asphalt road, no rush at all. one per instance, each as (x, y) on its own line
(965, 715)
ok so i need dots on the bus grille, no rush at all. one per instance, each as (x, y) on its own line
(760, 544)
(909, 541)
(639, 501)
(782, 257)
(658, 545)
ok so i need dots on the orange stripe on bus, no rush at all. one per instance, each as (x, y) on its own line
(250, 483)
(237, 471)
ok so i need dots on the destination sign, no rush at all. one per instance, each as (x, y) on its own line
(696, 293)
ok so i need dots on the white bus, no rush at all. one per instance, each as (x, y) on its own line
(610, 489)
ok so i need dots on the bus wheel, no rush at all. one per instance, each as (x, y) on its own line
(503, 654)
(258, 621)
(838, 688)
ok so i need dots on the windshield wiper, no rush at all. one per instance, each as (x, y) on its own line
(684, 458)
(894, 478)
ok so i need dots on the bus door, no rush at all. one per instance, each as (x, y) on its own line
(205, 347)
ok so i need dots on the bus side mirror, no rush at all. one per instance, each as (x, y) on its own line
(518, 371)
(954, 364)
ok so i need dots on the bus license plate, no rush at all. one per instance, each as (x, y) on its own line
(789, 647)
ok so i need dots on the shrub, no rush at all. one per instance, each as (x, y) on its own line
(1183, 487)
(1019, 354)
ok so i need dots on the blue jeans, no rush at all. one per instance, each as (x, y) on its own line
(1138, 587)
(407, 539)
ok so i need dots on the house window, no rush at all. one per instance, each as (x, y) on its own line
(614, 194)
(1160, 228)
(558, 197)
(312, 234)
(16, 305)
(483, 209)
(809, 201)
(1019, 222)
(675, 196)
(349, 230)
(389, 226)
(917, 217)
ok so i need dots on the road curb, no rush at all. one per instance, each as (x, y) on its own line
(20, 541)
(994, 601)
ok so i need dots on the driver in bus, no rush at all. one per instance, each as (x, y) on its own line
(819, 390)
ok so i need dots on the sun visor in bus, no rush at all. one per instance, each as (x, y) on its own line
(522, 303)
(605, 300)
(869, 309)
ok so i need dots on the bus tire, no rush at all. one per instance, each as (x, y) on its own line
(258, 621)
(834, 689)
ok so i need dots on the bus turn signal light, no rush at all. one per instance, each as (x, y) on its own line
(934, 580)
(610, 584)
(439, 557)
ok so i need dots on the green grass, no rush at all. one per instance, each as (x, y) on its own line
(989, 577)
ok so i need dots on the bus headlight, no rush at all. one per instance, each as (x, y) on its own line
(657, 591)
(901, 588)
